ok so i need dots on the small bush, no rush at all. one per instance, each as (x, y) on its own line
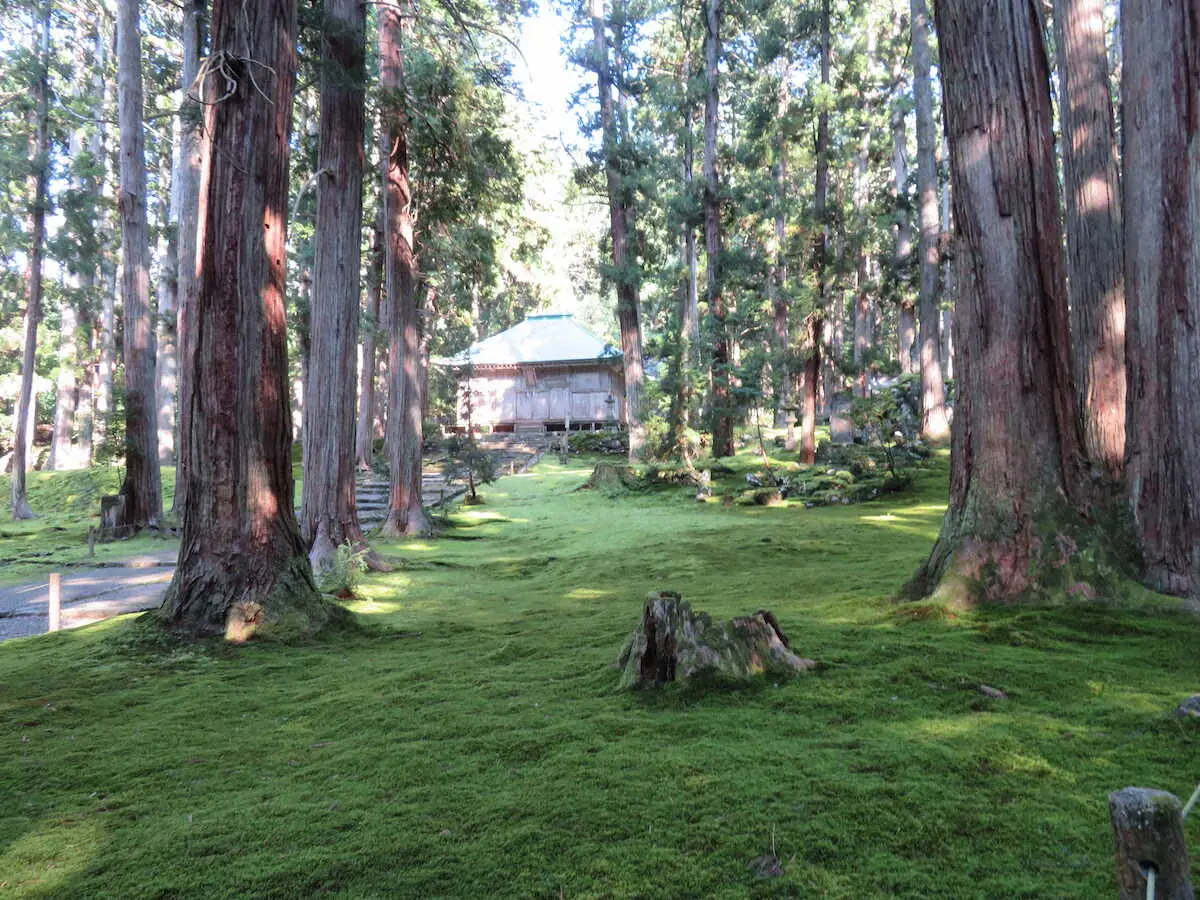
(614, 442)
(341, 576)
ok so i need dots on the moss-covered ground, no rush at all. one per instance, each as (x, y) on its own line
(470, 742)
(66, 505)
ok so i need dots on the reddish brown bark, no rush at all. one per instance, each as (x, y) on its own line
(1160, 88)
(364, 446)
(1017, 461)
(405, 425)
(329, 512)
(1095, 253)
(243, 569)
(142, 488)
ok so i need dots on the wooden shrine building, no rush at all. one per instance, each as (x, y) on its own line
(548, 373)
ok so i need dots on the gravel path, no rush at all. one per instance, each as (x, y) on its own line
(88, 595)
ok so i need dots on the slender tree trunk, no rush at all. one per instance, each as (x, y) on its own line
(934, 424)
(142, 488)
(243, 569)
(364, 446)
(40, 153)
(687, 354)
(191, 149)
(329, 512)
(862, 295)
(781, 306)
(722, 390)
(62, 454)
(166, 373)
(621, 219)
(405, 513)
(1095, 253)
(906, 330)
(1011, 531)
(1160, 90)
(812, 366)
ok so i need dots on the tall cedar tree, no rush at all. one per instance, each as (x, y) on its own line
(191, 149)
(243, 569)
(906, 327)
(1017, 461)
(621, 218)
(364, 435)
(1160, 88)
(722, 378)
(812, 365)
(39, 147)
(404, 421)
(1095, 254)
(329, 514)
(142, 488)
(934, 424)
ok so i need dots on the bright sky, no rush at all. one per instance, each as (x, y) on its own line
(547, 78)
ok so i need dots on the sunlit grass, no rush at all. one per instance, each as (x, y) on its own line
(471, 742)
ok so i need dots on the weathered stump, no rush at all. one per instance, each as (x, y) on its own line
(1148, 832)
(610, 475)
(673, 643)
(112, 518)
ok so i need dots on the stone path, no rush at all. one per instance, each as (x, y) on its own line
(137, 584)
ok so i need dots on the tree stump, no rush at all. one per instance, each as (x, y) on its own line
(1148, 833)
(673, 643)
(610, 475)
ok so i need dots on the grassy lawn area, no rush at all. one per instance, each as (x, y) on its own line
(471, 743)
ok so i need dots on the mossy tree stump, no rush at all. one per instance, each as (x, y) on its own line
(610, 475)
(673, 643)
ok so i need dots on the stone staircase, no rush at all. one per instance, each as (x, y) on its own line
(515, 452)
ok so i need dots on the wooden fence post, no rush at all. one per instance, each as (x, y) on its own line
(1148, 831)
(55, 611)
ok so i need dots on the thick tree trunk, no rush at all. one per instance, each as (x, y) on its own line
(934, 424)
(404, 439)
(1095, 253)
(364, 440)
(191, 149)
(812, 366)
(39, 147)
(621, 219)
(243, 570)
(722, 380)
(329, 512)
(142, 488)
(1160, 89)
(1017, 464)
(906, 330)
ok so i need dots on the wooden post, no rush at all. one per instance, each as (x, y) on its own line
(55, 612)
(1148, 831)
(91, 541)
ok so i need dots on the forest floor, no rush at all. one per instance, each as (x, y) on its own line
(469, 741)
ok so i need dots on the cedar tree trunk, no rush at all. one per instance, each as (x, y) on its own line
(1095, 253)
(329, 513)
(722, 391)
(364, 441)
(404, 426)
(243, 569)
(1160, 87)
(191, 149)
(142, 488)
(1011, 530)
(906, 330)
(812, 365)
(621, 218)
(40, 169)
(934, 424)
